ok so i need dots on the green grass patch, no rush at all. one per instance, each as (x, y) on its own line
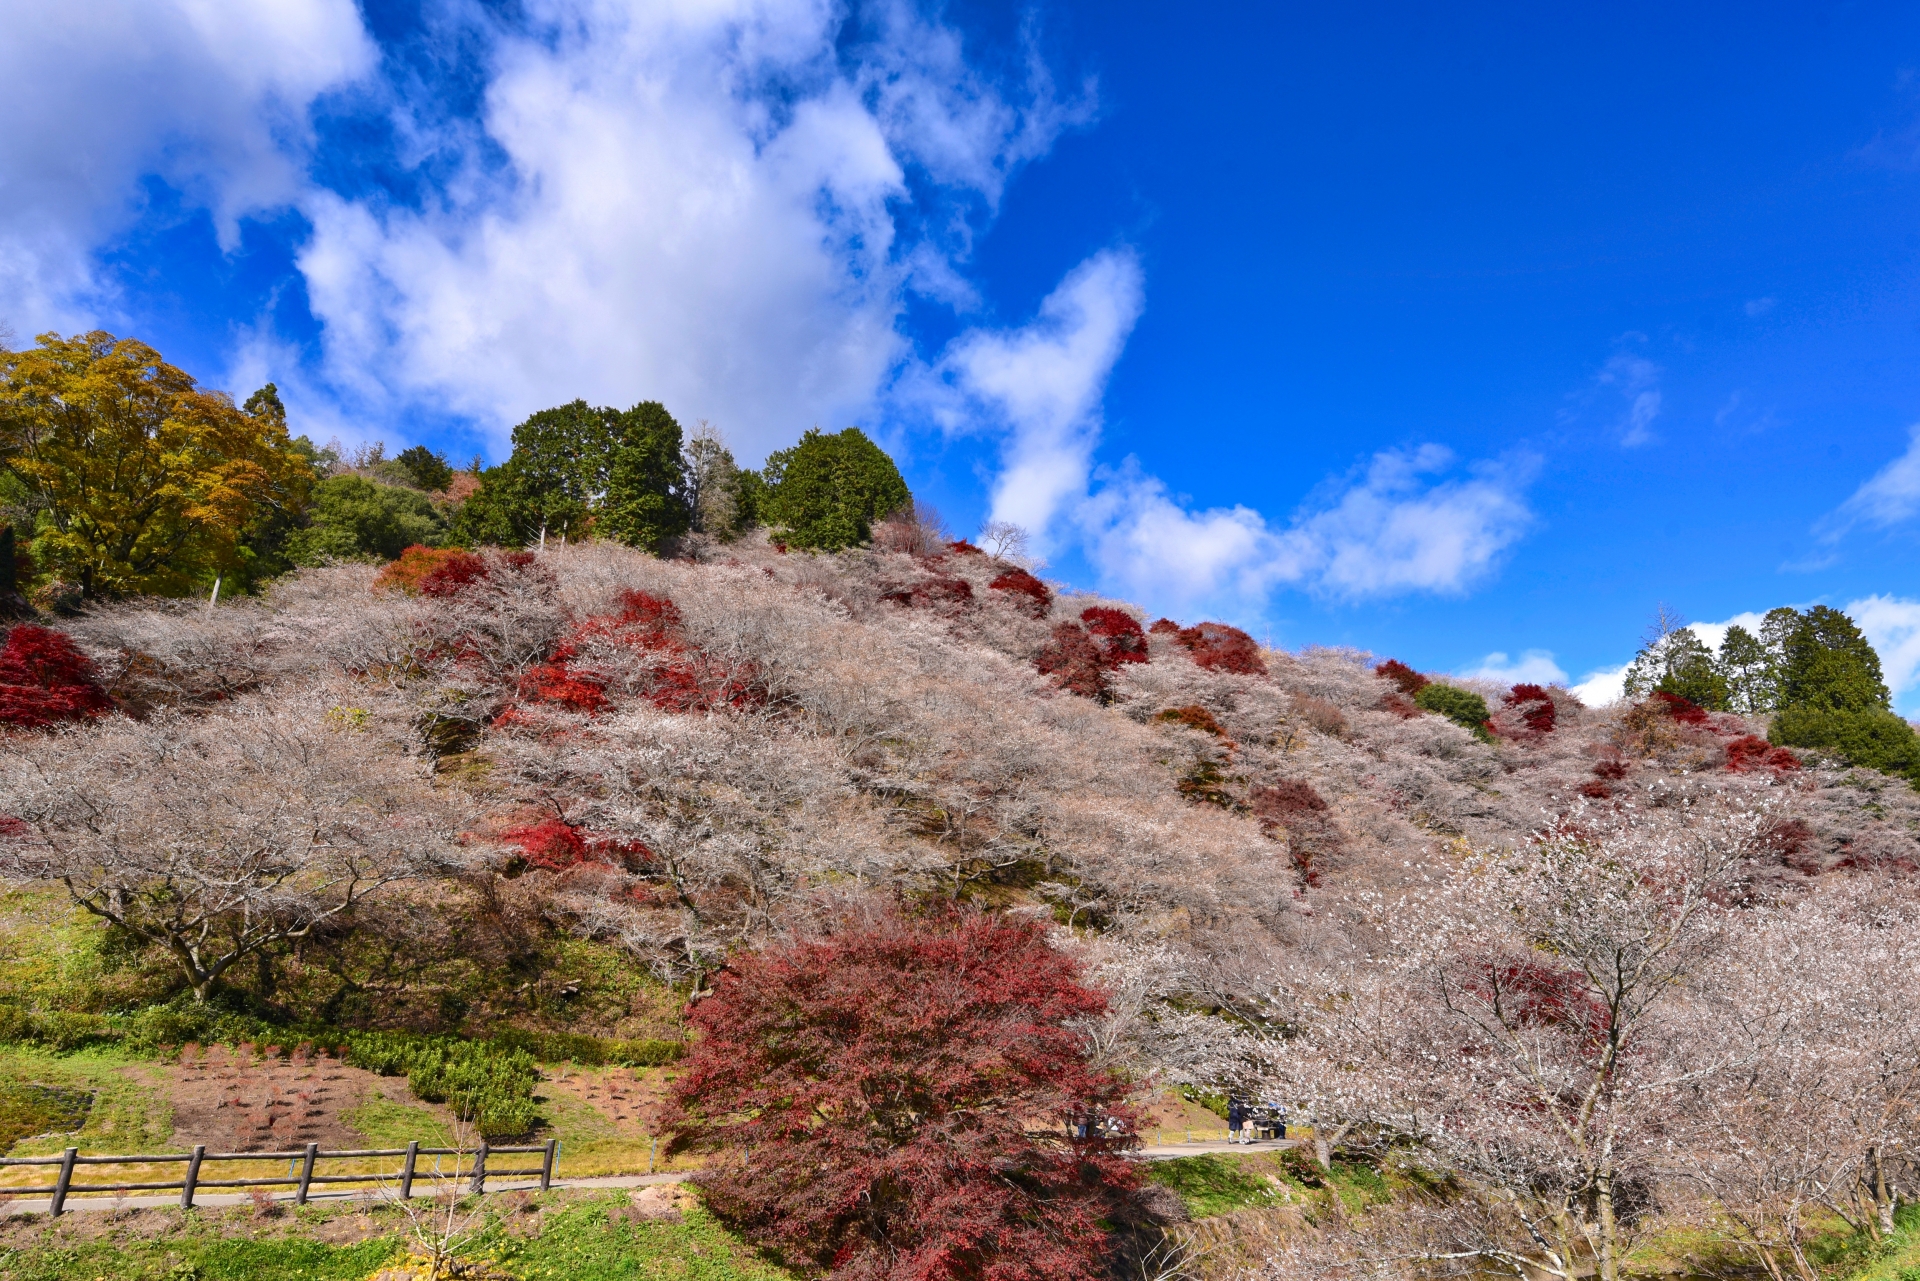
(126, 1114)
(1214, 1184)
(579, 1240)
(389, 1123)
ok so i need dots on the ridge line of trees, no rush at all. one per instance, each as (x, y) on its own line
(121, 475)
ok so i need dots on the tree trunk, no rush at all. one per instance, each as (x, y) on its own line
(1603, 1206)
(1882, 1194)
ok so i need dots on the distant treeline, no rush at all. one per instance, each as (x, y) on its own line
(119, 475)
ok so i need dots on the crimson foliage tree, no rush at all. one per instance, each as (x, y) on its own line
(909, 1101)
(45, 678)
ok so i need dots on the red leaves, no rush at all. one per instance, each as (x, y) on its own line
(936, 592)
(907, 1092)
(1679, 709)
(1409, 681)
(1535, 708)
(1292, 804)
(1219, 648)
(554, 846)
(1752, 752)
(1038, 599)
(678, 676)
(433, 571)
(1079, 657)
(1535, 995)
(1073, 660)
(1194, 717)
(44, 678)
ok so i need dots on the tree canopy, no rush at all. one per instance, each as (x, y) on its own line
(577, 468)
(141, 480)
(826, 492)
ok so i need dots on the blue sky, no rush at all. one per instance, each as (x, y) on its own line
(1448, 332)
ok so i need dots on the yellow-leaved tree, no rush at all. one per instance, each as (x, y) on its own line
(142, 480)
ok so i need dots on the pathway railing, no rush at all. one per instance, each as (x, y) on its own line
(307, 1159)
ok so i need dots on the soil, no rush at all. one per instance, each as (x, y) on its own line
(243, 1099)
(630, 1099)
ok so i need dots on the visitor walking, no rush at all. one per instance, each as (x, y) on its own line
(1236, 1119)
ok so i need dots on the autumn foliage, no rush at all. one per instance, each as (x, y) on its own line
(432, 571)
(675, 675)
(1037, 599)
(44, 678)
(905, 1101)
(1221, 648)
(1409, 681)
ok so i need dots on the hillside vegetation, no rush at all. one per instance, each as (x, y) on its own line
(747, 821)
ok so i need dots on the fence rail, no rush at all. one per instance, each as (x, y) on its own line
(308, 1158)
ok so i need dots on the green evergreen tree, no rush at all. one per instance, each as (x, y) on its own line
(425, 469)
(351, 518)
(646, 502)
(1829, 664)
(826, 492)
(1749, 672)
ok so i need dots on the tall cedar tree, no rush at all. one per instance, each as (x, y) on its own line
(148, 482)
(555, 478)
(904, 1101)
(646, 502)
(826, 492)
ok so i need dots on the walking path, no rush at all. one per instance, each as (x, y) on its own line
(80, 1203)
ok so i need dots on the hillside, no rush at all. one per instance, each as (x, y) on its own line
(597, 774)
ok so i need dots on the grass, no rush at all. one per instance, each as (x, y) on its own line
(127, 1115)
(388, 1123)
(551, 1238)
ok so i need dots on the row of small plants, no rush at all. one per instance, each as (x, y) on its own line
(486, 1081)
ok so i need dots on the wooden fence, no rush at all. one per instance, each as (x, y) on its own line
(308, 1159)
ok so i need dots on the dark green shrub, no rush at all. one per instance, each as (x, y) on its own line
(826, 492)
(1869, 737)
(1463, 707)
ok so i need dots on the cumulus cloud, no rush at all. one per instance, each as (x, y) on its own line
(697, 204)
(1888, 497)
(1534, 667)
(1406, 520)
(212, 98)
(1602, 686)
(1892, 625)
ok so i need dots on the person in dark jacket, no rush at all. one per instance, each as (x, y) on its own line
(1236, 1119)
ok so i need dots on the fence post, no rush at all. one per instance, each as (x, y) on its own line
(406, 1171)
(480, 1168)
(193, 1176)
(306, 1173)
(61, 1184)
(546, 1166)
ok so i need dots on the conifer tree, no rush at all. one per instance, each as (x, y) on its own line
(646, 501)
(826, 492)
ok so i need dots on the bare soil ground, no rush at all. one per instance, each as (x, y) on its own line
(243, 1099)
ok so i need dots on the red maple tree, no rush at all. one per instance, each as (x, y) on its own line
(45, 678)
(909, 1100)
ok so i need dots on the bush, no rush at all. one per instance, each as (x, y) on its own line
(911, 1095)
(353, 518)
(1869, 737)
(1038, 598)
(44, 678)
(826, 492)
(1463, 707)
(1220, 648)
(1405, 678)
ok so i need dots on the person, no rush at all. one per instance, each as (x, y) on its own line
(1280, 1121)
(1236, 1119)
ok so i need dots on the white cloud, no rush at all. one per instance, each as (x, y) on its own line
(1403, 522)
(1637, 380)
(1711, 634)
(1889, 496)
(1602, 686)
(1760, 306)
(1892, 625)
(1535, 667)
(211, 97)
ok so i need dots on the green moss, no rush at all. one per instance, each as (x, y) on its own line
(128, 1113)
